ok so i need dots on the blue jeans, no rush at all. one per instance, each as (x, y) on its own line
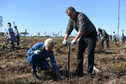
(35, 61)
(90, 43)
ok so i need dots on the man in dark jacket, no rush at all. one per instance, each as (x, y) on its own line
(17, 35)
(86, 31)
(104, 37)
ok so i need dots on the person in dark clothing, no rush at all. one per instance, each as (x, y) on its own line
(104, 37)
(86, 31)
(37, 57)
(17, 35)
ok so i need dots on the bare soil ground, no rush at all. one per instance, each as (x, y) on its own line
(110, 64)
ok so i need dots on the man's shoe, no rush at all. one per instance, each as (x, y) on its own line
(34, 75)
(78, 74)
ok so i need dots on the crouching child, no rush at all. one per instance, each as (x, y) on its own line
(37, 57)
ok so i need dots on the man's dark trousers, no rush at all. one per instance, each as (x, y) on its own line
(89, 42)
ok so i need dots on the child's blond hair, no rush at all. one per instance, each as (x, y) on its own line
(49, 42)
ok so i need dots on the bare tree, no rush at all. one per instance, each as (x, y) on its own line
(1, 21)
(24, 33)
(39, 33)
(45, 33)
(61, 32)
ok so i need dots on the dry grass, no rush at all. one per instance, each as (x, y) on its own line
(110, 65)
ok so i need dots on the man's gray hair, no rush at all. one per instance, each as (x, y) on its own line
(70, 9)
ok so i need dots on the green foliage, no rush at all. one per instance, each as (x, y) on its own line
(1, 44)
(124, 46)
(117, 39)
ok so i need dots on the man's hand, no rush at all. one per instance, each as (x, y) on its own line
(64, 42)
(73, 42)
(37, 52)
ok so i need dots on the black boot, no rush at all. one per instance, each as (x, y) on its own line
(34, 75)
(77, 74)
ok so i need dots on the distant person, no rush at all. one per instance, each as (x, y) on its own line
(17, 35)
(11, 36)
(122, 36)
(110, 37)
(86, 31)
(104, 37)
(113, 37)
(37, 57)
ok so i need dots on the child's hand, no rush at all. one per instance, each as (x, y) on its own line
(37, 52)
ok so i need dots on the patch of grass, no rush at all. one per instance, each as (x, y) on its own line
(124, 46)
(1, 44)
(117, 39)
